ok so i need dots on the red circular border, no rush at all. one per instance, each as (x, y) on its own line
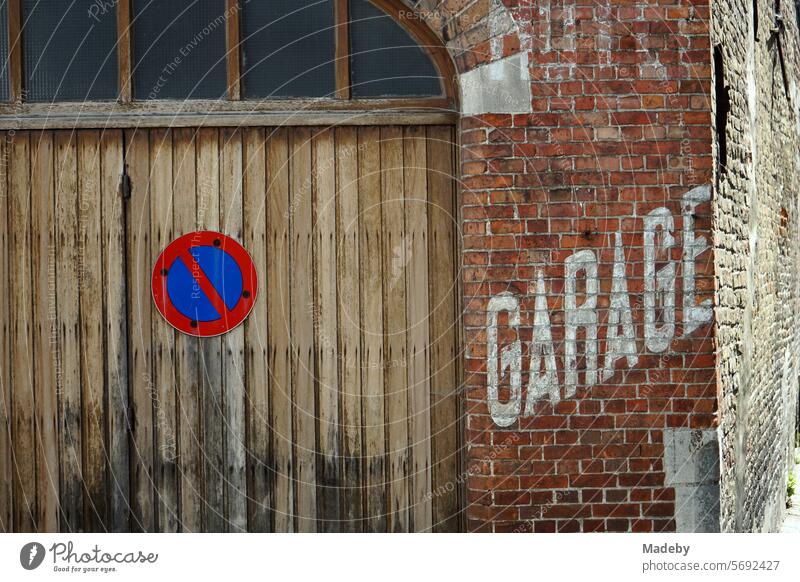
(230, 319)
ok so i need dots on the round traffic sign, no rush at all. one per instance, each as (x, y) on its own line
(204, 284)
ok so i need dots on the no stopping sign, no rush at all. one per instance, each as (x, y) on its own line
(204, 284)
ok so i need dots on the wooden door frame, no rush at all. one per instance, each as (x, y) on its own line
(126, 113)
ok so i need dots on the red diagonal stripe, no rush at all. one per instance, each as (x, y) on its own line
(205, 285)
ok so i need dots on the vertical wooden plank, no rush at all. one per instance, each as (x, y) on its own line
(302, 301)
(442, 224)
(279, 327)
(45, 330)
(15, 49)
(348, 271)
(256, 357)
(418, 336)
(342, 15)
(326, 328)
(208, 193)
(371, 245)
(124, 50)
(232, 9)
(68, 310)
(187, 348)
(91, 332)
(6, 501)
(394, 268)
(233, 368)
(116, 330)
(137, 158)
(163, 339)
(22, 363)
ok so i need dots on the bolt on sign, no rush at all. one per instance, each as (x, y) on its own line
(621, 341)
(204, 284)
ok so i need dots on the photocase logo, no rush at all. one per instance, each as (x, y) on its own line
(31, 555)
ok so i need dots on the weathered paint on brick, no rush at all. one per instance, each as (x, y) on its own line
(619, 290)
(587, 271)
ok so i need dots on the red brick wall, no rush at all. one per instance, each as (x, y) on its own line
(620, 128)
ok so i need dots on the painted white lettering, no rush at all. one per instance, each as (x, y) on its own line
(542, 384)
(584, 316)
(694, 315)
(660, 280)
(659, 286)
(620, 336)
(503, 414)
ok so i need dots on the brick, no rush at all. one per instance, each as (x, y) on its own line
(621, 125)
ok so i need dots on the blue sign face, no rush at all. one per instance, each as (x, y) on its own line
(185, 291)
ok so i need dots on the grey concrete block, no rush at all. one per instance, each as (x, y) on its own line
(691, 463)
(502, 86)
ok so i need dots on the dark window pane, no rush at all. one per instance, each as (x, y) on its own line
(385, 60)
(70, 51)
(288, 48)
(4, 88)
(179, 49)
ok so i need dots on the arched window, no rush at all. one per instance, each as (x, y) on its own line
(385, 60)
(155, 51)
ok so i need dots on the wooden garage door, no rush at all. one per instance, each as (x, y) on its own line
(332, 408)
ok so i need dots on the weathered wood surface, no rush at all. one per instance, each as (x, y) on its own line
(373, 365)
(333, 408)
(349, 345)
(165, 417)
(394, 266)
(116, 330)
(69, 348)
(6, 442)
(211, 428)
(45, 330)
(302, 328)
(234, 470)
(141, 386)
(21, 316)
(187, 349)
(417, 334)
(325, 322)
(443, 309)
(278, 329)
(90, 272)
(256, 346)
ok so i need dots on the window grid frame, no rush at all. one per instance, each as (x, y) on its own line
(343, 99)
